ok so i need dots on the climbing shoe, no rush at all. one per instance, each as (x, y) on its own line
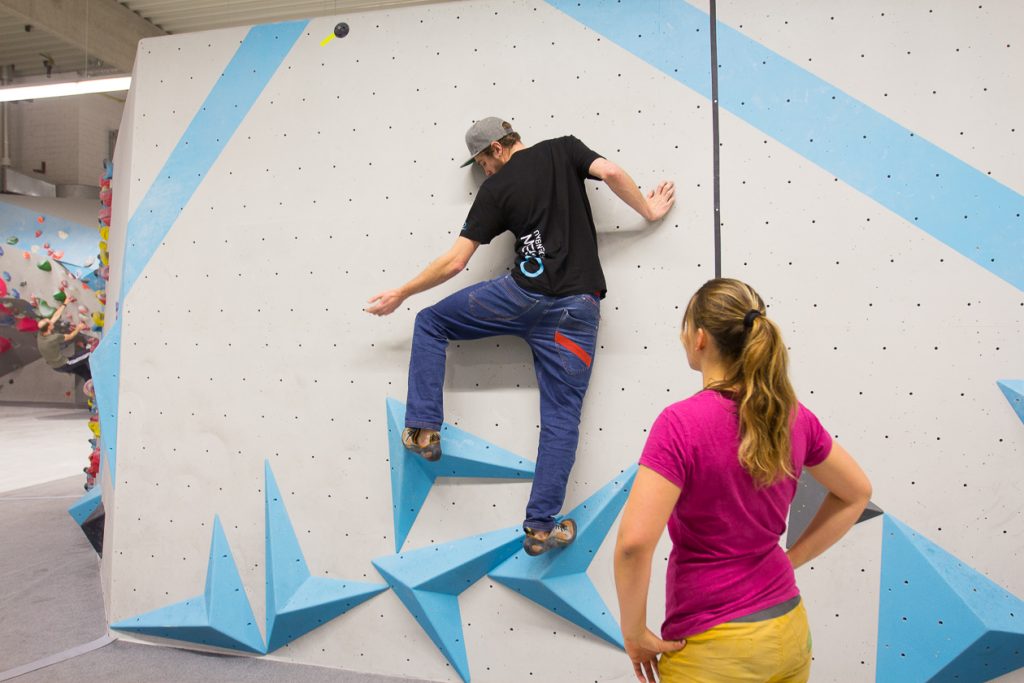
(431, 452)
(561, 535)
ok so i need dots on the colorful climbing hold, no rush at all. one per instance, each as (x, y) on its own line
(59, 254)
(97, 319)
(60, 296)
(6, 276)
(27, 325)
(40, 219)
(39, 233)
(12, 241)
(3, 288)
(1, 251)
(62, 234)
(5, 345)
(44, 265)
(83, 310)
(88, 389)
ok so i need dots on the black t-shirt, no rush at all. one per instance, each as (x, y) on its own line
(539, 196)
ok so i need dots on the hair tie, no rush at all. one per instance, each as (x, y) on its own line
(748, 319)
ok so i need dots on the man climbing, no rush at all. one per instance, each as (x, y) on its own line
(551, 298)
(50, 341)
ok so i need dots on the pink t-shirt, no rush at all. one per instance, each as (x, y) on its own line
(726, 561)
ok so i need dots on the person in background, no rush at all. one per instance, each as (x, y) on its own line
(720, 469)
(50, 343)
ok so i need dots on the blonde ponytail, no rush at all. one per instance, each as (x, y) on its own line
(733, 314)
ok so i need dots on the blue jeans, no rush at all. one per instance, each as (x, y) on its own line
(561, 332)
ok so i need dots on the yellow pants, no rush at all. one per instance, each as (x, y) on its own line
(774, 651)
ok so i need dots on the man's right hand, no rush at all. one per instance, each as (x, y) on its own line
(385, 303)
(661, 199)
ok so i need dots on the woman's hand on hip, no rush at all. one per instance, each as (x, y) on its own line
(643, 652)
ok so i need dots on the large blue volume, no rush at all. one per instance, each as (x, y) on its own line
(940, 620)
(557, 580)
(429, 580)
(465, 455)
(220, 617)
(1013, 390)
(298, 602)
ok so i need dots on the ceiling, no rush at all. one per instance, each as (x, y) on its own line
(75, 38)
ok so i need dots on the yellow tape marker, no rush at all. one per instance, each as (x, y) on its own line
(326, 40)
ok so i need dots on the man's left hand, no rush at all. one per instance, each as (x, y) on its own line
(661, 199)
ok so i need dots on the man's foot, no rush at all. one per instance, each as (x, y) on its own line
(560, 536)
(424, 442)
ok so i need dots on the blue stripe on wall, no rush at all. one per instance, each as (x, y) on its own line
(244, 78)
(105, 364)
(950, 200)
(254, 63)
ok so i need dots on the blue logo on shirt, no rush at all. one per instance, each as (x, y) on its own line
(536, 273)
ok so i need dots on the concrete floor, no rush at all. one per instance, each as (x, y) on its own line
(50, 595)
(41, 444)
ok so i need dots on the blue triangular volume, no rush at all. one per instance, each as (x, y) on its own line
(940, 620)
(105, 364)
(297, 602)
(429, 580)
(1013, 390)
(464, 455)
(84, 506)
(220, 617)
(557, 580)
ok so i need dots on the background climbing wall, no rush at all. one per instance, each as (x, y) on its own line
(241, 341)
(46, 245)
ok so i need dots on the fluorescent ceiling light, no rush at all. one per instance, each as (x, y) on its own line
(33, 92)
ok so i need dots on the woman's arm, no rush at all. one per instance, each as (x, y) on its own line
(647, 511)
(848, 494)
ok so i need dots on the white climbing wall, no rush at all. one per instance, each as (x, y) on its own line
(243, 338)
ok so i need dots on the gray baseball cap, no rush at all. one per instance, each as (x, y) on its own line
(483, 133)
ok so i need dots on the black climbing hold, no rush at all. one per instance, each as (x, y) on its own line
(341, 30)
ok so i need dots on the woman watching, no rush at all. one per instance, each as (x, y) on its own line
(720, 469)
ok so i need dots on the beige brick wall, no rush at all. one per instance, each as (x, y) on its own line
(68, 133)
